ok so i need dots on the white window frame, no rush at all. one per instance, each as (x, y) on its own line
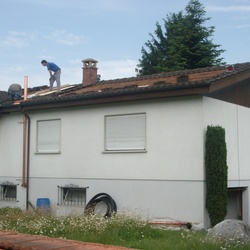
(125, 133)
(48, 136)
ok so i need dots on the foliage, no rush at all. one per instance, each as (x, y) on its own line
(185, 43)
(216, 174)
(121, 230)
(10, 211)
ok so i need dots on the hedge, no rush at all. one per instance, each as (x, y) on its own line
(216, 174)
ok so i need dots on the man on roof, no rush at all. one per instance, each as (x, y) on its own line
(15, 92)
(55, 74)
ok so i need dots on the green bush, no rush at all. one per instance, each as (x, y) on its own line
(10, 211)
(216, 174)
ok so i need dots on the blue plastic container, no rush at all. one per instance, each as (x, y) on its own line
(43, 203)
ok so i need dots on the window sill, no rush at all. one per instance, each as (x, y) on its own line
(124, 151)
(7, 201)
(68, 205)
(48, 152)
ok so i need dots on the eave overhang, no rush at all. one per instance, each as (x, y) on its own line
(228, 81)
(106, 98)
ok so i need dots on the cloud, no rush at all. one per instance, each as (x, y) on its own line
(117, 69)
(16, 39)
(45, 3)
(75, 61)
(12, 74)
(94, 6)
(71, 75)
(111, 5)
(48, 57)
(243, 26)
(112, 69)
(62, 37)
(231, 8)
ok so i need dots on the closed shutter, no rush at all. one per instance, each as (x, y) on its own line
(126, 132)
(49, 136)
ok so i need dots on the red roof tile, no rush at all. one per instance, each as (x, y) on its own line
(186, 82)
(15, 241)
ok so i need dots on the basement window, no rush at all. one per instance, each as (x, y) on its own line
(72, 196)
(125, 132)
(8, 192)
(48, 136)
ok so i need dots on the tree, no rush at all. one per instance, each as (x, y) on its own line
(216, 174)
(185, 43)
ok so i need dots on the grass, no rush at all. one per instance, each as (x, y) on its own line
(121, 230)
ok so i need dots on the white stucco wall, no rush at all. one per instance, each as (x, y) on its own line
(165, 182)
(235, 120)
(171, 130)
(160, 181)
(11, 144)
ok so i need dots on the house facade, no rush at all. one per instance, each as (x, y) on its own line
(141, 140)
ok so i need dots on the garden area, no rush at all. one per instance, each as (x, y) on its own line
(120, 229)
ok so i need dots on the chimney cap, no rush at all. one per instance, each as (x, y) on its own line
(89, 60)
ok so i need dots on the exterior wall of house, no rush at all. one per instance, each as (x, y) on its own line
(158, 183)
(166, 182)
(235, 120)
(11, 141)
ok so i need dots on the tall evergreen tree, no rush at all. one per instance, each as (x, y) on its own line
(185, 43)
(216, 174)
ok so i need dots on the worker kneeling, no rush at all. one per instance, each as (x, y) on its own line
(15, 92)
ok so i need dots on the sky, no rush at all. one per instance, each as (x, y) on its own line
(112, 32)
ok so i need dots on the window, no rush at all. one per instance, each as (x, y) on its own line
(72, 196)
(125, 132)
(8, 192)
(49, 136)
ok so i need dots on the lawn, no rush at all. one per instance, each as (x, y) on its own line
(120, 229)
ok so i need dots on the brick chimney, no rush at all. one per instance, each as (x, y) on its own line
(89, 71)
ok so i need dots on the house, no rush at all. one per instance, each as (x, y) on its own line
(140, 140)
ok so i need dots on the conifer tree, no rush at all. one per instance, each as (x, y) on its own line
(216, 174)
(183, 43)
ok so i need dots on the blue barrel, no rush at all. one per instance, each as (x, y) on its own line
(43, 203)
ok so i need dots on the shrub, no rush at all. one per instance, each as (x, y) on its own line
(216, 174)
(10, 211)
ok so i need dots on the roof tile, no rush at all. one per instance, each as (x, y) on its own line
(183, 79)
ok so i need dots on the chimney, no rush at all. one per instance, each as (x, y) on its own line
(89, 71)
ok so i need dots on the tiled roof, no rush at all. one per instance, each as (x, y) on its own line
(185, 81)
(3, 96)
(13, 240)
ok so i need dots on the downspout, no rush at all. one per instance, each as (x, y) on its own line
(26, 146)
(27, 162)
(24, 181)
